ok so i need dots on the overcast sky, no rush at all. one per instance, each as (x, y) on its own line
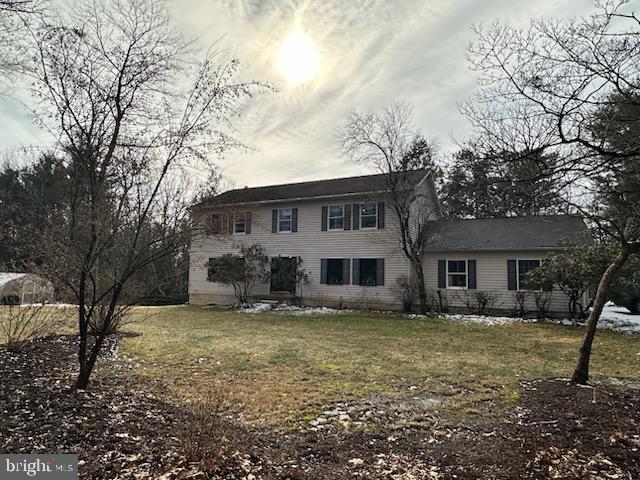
(371, 52)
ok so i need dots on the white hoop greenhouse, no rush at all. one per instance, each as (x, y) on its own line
(24, 288)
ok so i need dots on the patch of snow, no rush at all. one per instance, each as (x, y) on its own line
(614, 318)
(291, 309)
(483, 319)
(255, 308)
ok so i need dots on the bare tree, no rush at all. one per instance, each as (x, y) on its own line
(15, 18)
(390, 143)
(132, 107)
(544, 89)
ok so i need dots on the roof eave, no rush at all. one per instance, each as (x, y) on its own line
(285, 200)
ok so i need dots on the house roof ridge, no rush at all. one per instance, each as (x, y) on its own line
(330, 187)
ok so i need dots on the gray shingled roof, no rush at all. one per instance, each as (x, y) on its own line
(319, 188)
(507, 233)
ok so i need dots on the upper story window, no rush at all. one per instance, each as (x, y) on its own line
(456, 274)
(369, 215)
(524, 267)
(284, 219)
(239, 223)
(336, 217)
(216, 224)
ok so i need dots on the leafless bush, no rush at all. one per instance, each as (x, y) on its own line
(520, 304)
(209, 436)
(479, 302)
(20, 324)
(407, 292)
(542, 300)
(108, 324)
(442, 301)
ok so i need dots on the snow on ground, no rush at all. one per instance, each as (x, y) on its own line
(615, 318)
(292, 309)
(612, 318)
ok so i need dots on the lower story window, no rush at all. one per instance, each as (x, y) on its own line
(368, 271)
(457, 274)
(524, 267)
(335, 271)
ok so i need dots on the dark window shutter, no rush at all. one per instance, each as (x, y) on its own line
(471, 274)
(209, 270)
(323, 222)
(356, 271)
(230, 223)
(274, 221)
(356, 216)
(248, 219)
(347, 217)
(380, 271)
(380, 214)
(294, 219)
(512, 276)
(323, 270)
(442, 274)
(346, 271)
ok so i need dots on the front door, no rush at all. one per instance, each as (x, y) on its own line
(283, 274)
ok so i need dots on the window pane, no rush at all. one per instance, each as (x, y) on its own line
(369, 209)
(368, 270)
(239, 224)
(336, 217)
(285, 214)
(524, 267)
(457, 266)
(336, 223)
(369, 215)
(216, 223)
(335, 271)
(457, 280)
(285, 226)
(335, 211)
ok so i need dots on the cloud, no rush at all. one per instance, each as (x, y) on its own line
(372, 52)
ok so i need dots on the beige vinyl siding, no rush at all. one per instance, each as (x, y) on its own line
(491, 276)
(311, 244)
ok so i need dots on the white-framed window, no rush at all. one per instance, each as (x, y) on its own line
(369, 215)
(457, 274)
(524, 267)
(284, 220)
(239, 224)
(336, 217)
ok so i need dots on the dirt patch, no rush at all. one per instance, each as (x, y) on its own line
(126, 427)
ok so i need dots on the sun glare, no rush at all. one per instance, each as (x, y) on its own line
(298, 59)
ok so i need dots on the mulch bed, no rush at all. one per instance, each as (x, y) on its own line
(124, 427)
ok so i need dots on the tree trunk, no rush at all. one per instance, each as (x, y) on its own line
(84, 375)
(422, 289)
(581, 373)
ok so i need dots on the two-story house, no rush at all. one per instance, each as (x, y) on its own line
(348, 239)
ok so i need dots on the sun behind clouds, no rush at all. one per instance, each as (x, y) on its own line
(298, 59)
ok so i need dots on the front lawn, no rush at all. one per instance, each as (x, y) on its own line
(283, 368)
